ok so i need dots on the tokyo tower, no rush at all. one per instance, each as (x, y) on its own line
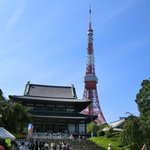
(90, 80)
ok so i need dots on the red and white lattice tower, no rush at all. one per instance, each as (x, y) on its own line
(90, 80)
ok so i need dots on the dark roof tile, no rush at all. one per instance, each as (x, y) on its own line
(50, 91)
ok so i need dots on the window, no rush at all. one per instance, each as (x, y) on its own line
(30, 108)
(71, 128)
(50, 107)
(82, 128)
(70, 109)
(39, 107)
(60, 108)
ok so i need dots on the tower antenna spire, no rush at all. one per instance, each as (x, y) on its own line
(90, 23)
(91, 80)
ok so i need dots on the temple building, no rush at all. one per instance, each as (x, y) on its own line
(55, 108)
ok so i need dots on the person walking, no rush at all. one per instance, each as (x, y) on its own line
(23, 146)
(109, 147)
(1, 145)
(46, 146)
(145, 147)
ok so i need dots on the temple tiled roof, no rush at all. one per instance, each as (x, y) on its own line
(49, 91)
(47, 94)
(115, 125)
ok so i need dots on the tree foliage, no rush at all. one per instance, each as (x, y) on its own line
(92, 127)
(131, 134)
(96, 128)
(1, 96)
(136, 130)
(143, 100)
(14, 116)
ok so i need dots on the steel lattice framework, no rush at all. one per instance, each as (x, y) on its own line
(90, 80)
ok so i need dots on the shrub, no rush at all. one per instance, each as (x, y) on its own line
(103, 143)
(100, 133)
(92, 127)
(108, 133)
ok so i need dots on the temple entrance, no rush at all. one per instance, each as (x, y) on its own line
(50, 126)
(61, 128)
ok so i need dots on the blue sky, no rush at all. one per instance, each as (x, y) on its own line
(45, 42)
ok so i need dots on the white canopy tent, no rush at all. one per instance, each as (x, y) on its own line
(4, 134)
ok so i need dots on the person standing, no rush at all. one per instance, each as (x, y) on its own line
(46, 146)
(145, 147)
(23, 146)
(1, 145)
(109, 147)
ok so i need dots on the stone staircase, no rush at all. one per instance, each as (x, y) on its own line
(76, 144)
(84, 144)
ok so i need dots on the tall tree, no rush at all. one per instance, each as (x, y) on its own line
(16, 117)
(143, 99)
(1, 96)
(13, 116)
(21, 116)
(136, 130)
(2, 106)
(131, 134)
(143, 102)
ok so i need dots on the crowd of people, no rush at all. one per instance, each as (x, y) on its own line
(36, 144)
(7, 144)
(33, 145)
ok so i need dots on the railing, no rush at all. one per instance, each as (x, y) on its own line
(43, 135)
(37, 112)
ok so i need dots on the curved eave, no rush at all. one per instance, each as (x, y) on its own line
(78, 117)
(79, 104)
(60, 117)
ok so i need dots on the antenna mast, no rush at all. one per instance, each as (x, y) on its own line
(90, 80)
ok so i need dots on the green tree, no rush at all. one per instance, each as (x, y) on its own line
(14, 116)
(1, 96)
(17, 117)
(143, 103)
(3, 105)
(92, 127)
(131, 134)
(136, 130)
(143, 99)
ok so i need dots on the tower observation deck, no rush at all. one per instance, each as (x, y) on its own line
(90, 80)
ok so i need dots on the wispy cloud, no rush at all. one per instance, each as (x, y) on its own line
(118, 11)
(16, 15)
(117, 54)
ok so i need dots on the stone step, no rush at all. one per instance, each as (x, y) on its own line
(83, 145)
(76, 144)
